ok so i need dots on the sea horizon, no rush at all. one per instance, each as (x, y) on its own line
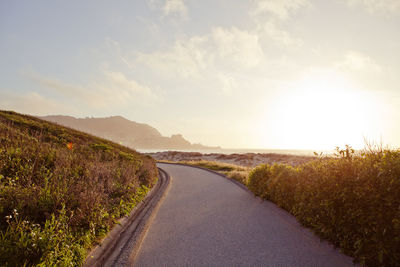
(302, 152)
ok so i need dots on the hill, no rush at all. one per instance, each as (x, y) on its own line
(61, 190)
(130, 133)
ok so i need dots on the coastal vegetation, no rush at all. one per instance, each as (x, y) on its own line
(62, 190)
(239, 173)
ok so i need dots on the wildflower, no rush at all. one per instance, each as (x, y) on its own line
(70, 145)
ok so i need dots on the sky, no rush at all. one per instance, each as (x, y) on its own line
(266, 74)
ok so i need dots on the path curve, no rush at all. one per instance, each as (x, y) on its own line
(206, 220)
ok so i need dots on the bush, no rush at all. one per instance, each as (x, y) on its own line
(258, 179)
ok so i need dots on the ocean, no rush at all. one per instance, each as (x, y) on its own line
(242, 151)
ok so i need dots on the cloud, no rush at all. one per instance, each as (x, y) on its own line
(124, 89)
(33, 103)
(270, 17)
(185, 58)
(238, 47)
(356, 61)
(223, 49)
(227, 82)
(57, 86)
(377, 6)
(116, 48)
(110, 89)
(280, 9)
(270, 30)
(176, 8)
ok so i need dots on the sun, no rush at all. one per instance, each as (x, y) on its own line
(320, 111)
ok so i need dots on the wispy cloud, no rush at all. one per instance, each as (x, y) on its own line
(33, 103)
(229, 49)
(228, 83)
(238, 47)
(356, 61)
(270, 17)
(174, 8)
(281, 9)
(377, 6)
(185, 58)
(110, 89)
(125, 89)
(271, 30)
(209, 59)
(116, 48)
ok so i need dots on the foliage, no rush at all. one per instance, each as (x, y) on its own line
(61, 190)
(353, 200)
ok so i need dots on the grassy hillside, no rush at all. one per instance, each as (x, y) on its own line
(61, 190)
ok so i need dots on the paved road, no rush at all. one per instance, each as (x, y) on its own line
(206, 220)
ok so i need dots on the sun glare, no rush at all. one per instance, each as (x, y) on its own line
(321, 111)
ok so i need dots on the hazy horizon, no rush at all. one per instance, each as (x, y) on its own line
(255, 74)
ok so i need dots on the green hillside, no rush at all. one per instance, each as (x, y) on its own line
(61, 190)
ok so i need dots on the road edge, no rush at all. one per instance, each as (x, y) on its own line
(130, 229)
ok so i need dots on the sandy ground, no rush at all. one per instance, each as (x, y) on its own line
(248, 159)
(206, 220)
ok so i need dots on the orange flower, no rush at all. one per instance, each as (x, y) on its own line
(70, 145)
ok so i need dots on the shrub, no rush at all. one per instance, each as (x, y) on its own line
(258, 179)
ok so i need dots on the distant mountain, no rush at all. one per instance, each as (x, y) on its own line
(129, 133)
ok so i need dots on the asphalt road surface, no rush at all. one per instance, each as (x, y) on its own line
(207, 220)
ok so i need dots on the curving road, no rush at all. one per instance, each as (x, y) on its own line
(206, 220)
